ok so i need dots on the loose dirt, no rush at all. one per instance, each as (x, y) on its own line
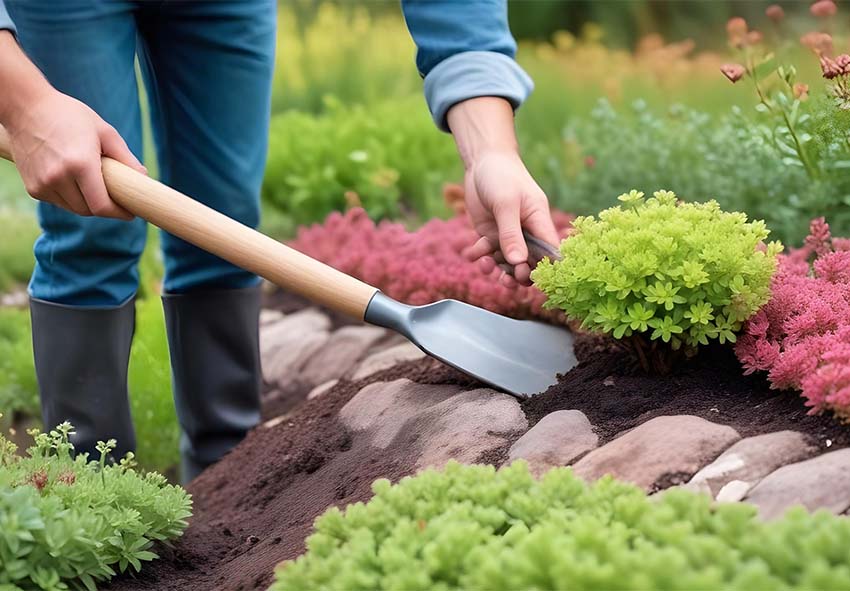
(255, 508)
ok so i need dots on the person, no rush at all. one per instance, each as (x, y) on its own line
(69, 94)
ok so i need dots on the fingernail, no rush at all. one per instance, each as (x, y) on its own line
(514, 257)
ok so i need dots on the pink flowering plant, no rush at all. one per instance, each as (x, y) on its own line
(662, 276)
(802, 336)
(418, 267)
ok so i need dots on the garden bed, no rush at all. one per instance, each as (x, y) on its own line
(257, 506)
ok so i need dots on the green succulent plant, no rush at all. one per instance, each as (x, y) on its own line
(661, 275)
(472, 527)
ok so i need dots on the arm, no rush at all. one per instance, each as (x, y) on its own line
(472, 85)
(56, 140)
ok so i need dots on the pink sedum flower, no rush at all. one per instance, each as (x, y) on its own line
(801, 337)
(775, 13)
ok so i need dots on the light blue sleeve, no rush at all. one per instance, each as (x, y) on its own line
(465, 50)
(5, 19)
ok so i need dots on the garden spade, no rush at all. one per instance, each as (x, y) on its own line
(520, 357)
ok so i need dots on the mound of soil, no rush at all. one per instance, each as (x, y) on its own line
(256, 507)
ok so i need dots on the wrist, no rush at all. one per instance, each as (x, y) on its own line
(481, 127)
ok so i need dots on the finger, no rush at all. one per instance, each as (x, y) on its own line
(486, 264)
(522, 274)
(93, 189)
(507, 280)
(481, 248)
(68, 196)
(539, 223)
(511, 242)
(114, 146)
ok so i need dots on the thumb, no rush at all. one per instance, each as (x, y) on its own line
(511, 242)
(114, 146)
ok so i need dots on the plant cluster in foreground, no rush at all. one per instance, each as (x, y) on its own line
(67, 523)
(802, 336)
(416, 267)
(472, 527)
(661, 271)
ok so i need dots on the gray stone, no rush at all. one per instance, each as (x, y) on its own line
(321, 389)
(381, 410)
(822, 482)
(386, 359)
(283, 366)
(270, 316)
(463, 427)
(290, 329)
(557, 440)
(670, 446)
(343, 350)
(748, 461)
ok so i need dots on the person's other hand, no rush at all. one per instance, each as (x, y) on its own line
(502, 199)
(57, 143)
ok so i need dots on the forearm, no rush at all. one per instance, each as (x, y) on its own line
(480, 125)
(21, 82)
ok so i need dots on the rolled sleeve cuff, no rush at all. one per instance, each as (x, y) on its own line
(5, 20)
(472, 74)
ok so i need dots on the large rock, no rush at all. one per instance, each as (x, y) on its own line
(343, 350)
(288, 330)
(286, 363)
(463, 427)
(742, 466)
(381, 410)
(386, 359)
(819, 483)
(557, 440)
(662, 451)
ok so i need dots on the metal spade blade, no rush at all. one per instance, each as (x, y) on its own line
(520, 357)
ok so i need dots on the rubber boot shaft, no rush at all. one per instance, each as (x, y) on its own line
(81, 357)
(213, 338)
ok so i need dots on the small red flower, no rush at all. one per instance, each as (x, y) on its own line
(733, 71)
(820, 43)
(736, 30)
(775, 13)
(38, 479)
(801, 91)
(829, 68)
(823, 8)
(589, 161)
(843, 62)
(754, 37)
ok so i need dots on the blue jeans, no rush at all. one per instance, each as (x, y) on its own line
(207, 67)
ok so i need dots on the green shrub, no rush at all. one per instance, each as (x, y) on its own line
(18, 386)
(681, 273)
(16, 255)
(390, 158)
(69, 523)
(741, 159)
(472, 527)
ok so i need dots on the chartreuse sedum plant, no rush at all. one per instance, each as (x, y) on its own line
(661, 275)
(67, 523)
(472, 527)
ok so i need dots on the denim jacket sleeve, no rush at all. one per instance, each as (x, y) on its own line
(5, 19)
(465, 50)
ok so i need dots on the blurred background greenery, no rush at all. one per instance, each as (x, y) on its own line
(628, 95)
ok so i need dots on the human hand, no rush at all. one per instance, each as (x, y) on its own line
(502, 199)
(57, 143)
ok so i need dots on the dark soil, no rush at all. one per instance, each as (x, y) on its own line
(256, 507)
(617, 396)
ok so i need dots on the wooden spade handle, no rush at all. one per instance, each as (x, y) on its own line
(225, 237)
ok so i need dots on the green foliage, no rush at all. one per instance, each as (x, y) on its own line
(683, 273)
(471, 527)
(68, 523)
(16, 256)
(18, 387)
(390, 158)
(151, 399)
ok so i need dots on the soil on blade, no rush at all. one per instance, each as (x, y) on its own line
(256, 507)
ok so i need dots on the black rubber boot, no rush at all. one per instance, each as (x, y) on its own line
(213, 338)
(81, 357)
